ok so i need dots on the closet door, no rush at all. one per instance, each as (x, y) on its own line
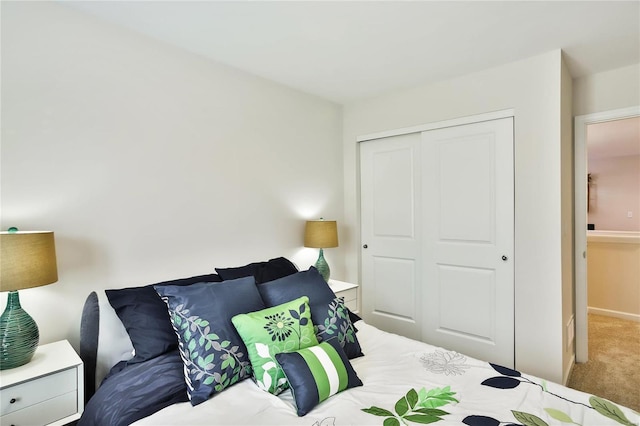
(391, 234)
(468, 239)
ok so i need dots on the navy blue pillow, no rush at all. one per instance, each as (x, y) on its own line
(131, 392)
(261, 271)
(317, 373)
(213, 353)
(329, 314)
(145, 317)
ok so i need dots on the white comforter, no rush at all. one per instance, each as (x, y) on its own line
(391, 367)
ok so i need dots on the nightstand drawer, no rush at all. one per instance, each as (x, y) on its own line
(43, 413)
(349, 295)
(350, 299)
(352, 305)
(348, 291)
(38, 390)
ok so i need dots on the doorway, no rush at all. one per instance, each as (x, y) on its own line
(580, 220)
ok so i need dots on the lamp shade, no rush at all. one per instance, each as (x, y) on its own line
(28, 259)
(321, 234)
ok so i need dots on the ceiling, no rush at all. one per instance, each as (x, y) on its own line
(350, 50)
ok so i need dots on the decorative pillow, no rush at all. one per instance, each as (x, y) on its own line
(282, 328)
(316, 373)
(131, 392)
(145, 317)
(114, 343)
(261, 271)
(328, 313)
(213, 353)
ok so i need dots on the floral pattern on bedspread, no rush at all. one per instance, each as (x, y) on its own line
(445, 362)
(424, 406)
(328, 421)
(399, 376)
(419, 407)
(510, 379)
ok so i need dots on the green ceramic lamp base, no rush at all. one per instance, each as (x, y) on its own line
(323, 267)
(19, 334)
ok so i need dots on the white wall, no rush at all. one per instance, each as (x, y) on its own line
(150, 163)
(533, 88)
(605, 91)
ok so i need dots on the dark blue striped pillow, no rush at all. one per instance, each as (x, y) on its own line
(316, 373)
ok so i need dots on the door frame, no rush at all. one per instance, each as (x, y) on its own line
(470, 119)
(580, 219)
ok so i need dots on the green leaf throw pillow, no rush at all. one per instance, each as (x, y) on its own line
(328, 313)
(282, 328)
(316, 373)
(212, 351)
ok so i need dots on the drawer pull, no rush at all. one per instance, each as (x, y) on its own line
(12, 401)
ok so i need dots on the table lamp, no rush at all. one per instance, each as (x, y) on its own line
(321, 234)
(28, 260)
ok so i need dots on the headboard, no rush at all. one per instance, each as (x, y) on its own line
(89, 326)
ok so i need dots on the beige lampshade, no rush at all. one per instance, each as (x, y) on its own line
(28, 260)
(321, 234)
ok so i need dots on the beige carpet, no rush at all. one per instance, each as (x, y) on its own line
(613, 369)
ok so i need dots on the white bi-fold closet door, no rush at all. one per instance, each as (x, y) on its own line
(437, 217)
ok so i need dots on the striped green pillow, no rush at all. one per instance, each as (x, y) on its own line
(316, 373)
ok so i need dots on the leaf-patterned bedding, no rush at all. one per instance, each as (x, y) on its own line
(407, 382)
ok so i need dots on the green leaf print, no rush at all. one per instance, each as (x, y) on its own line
(422, 418)
(435, 398)
(378, 411)
(559, 415)
(528, 419)
(198, 342)
(609, 410)
(402, 406)
(391, 421)
(416, 407)
(412, 398)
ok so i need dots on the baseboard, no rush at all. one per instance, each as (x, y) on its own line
(567, 373)
(615, 314)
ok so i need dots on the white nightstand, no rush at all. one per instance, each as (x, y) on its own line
(49, 390)
(347, 290)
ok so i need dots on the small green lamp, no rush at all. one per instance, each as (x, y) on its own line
(321, 234)
(28, 260)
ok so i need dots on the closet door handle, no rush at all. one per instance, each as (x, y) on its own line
(504, 258)
(365, 246)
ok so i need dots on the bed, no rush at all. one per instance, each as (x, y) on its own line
(283, 350)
